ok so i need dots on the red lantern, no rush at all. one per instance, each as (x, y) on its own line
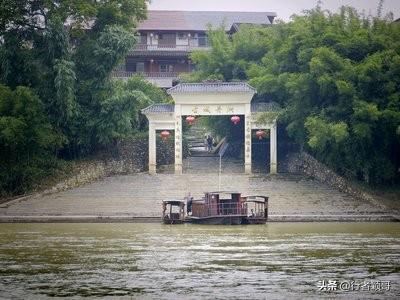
(165, 134)
(260, 134)
(190, 120)
(235, 119)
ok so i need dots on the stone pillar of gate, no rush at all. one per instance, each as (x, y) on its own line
(178, 139)
(247, 140)
(152, 149)
(273, 150)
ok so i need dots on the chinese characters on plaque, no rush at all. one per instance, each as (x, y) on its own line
(212, 110)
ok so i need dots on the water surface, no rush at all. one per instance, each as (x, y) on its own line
(154, 261)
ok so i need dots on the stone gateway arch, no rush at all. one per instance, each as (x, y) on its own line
(210, 99)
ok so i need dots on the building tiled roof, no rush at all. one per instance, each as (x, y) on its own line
(199, 20)
(211, 87)
(264, 106)
(159, 108)
(236, 26)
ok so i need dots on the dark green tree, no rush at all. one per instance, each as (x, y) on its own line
(63, 54)
(27, 140)
(336, 75)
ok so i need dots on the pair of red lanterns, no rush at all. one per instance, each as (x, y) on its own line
(234, 119)
(165, 134)
(259, 133)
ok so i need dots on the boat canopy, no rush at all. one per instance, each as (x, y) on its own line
(174, 202)
(256, 199)
(222, 192)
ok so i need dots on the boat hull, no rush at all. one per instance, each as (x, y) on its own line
(255, 221)
(217, 220)
(173, 222)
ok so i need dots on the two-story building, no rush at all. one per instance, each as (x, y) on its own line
(166, 39)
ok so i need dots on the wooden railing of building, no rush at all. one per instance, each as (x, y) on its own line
(125, 74)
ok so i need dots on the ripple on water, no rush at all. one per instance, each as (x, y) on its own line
(188, 261)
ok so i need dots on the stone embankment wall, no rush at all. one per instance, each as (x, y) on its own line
(126, 157)
(123, 158)
(88, 171)
(305, 163)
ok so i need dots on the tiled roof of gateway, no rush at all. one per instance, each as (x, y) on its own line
(211, 87)
(169, 108)
(159, 108)
(199, 20)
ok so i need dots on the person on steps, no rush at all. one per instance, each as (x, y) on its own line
(209, 143)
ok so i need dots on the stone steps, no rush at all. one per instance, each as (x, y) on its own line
(196, 144)
(195, 138)
(141, 195)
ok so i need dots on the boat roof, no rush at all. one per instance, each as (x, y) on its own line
(223, 192)
(253, 198)
(174, 201)
(255, 201)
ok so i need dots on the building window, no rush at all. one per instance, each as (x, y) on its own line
(143, 39)
(165, 68)
(203, 40)
(140, 67)
(182, 36)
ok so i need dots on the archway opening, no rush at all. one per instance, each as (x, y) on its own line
(260, 151)
(227, 142)
(165, 151)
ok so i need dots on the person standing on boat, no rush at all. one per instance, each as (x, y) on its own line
(189, 202)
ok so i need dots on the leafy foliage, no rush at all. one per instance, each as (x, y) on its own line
(27, 139)
(58, 99)
(337, 75)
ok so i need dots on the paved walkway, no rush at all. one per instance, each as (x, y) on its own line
(140, 195)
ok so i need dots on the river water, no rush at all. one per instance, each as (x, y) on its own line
(154, 261)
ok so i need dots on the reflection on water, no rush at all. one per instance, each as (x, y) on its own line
(277, 260)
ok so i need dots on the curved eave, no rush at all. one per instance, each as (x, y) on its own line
(220, 87)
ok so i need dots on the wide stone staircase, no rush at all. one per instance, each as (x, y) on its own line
(195, 138)
(201, 161)
(140, 195)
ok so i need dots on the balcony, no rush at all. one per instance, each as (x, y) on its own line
(127, 74)
(160, 79)
(145, 48)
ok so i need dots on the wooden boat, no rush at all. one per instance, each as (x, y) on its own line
(218, 208)
(173, 211)
(258, 208)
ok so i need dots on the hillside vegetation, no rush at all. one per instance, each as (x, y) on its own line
(337, 77)
(57, 98)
